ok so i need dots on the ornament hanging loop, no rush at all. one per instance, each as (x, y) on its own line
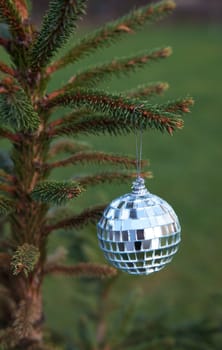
(138, 187)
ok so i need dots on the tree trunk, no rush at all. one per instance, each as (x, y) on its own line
(24, 331)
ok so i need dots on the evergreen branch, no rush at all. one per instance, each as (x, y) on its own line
(117, 67)
(8, 84)
(138, 113)
(6, 206)
(57, 192)
(109, 177)
(95, 125)
(25, 259)
(69, 118)
(88, 157)
(86, 217)
(66, 146)
(7, 177)
(16, 109)
(7, 134)
(82, 270)
(58, 24)
(9, 12)
(148, 90)
(91, 215)
(180, 105)
(4, 68)
(113, 31)
(6, 188)
(22, 9)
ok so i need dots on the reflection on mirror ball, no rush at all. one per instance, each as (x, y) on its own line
(139, 232)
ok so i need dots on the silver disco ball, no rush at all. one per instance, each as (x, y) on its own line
(139, 232)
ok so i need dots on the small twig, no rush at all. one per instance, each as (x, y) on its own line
(82, 270)
(6, 188)
(88, 216)
(84, 157)
(9, 135)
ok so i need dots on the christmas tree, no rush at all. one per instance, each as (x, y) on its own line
(31, 202)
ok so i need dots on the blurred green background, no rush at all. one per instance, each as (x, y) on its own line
(187, 173)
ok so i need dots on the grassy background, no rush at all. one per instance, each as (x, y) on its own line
(187, 173)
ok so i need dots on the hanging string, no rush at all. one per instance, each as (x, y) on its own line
(139, 150)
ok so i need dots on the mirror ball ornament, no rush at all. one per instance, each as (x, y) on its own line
(139, 232)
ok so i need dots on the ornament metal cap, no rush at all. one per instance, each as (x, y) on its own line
(139, 232)
(138, 187)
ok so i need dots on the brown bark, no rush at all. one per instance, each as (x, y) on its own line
(23, 314)
(27, 326)
(24, 322)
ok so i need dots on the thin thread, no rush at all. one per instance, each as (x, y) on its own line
(139, 150)
(137, 158)
(139, 145)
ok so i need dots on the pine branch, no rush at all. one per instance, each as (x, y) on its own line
(91, 215)
(7, 189)
(82, 270)
(6, 177)
(86, 217)
(134, 112)
(16, 109)
(88, 157)
(113, 31)
(69, 118)
(56, 192)
(7, 134)
(25, 259)
(8, 84)
(93, 123)
(66, 146)
(181, 105)
(58, 24)
(148, 90)
(117, 67)
(22, 8)
(97, 124)
(109, 177)
(4, 68)
(9, 12)
(6, 206)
